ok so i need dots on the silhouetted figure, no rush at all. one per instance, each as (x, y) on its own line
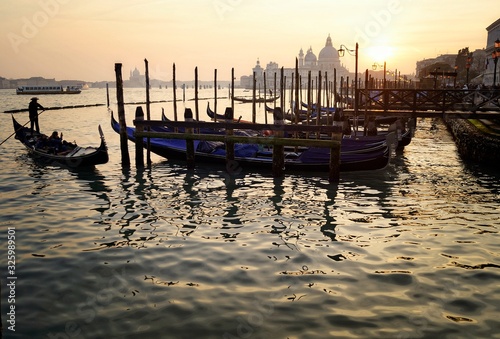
(33, 110)
(371, 127)
(56, 143)
(346, 126)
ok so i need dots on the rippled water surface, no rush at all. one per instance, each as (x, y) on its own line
(407, 252)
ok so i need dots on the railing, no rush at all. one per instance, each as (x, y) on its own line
(413, 100)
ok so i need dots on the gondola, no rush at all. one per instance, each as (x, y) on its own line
(303, 115)
(73, 155)
(220, 117)
(356, 155)
(168, 128)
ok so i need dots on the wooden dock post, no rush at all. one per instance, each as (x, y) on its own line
(278, 150)
(197, 113)
(309, 100)
(229, 116)
(188, 117)
(139, 144)
(107, 94)
(318, 104)
(297, 99)
(254, 108)
(282, 87)
(148, 113)
(232, 89)
(366, 100)
(334, 174)
(174, 85)
(335, 96)
(121, 116)
(215, 93)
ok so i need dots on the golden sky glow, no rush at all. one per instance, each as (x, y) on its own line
(68, 39)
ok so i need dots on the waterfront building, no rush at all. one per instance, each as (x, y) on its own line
(493, 35)
(423, 65)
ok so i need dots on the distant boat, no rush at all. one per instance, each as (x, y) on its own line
(48, 90)
(260, 99)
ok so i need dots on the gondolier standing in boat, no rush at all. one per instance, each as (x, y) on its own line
(33, 109)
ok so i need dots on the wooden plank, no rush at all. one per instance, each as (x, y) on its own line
(279, 141)
(240, 125)
(430, 114)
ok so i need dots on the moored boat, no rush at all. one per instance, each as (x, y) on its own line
(220, 117)
(356, 154)
(260, 99)
(67, 154)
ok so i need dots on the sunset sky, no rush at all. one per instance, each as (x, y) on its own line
(66, 39)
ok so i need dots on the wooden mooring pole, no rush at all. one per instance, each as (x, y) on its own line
(121, 116)
(278, 150)
(215, 93)
(188, 117)
(229, 116)
(175, 93)
(139, 144)
(107, 94)
(254, 108)
(232, 89)
(148, 113)
(196, 94)
(334, 173)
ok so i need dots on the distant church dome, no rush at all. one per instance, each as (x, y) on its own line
(257, 65)
(329, 57)
(310, 58)
(328, 53)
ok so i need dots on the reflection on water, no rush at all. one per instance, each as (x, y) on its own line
(408, 252)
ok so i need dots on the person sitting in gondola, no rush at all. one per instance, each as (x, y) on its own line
(42, 142)
(55, 142)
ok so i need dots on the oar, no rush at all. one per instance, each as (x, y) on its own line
(1, 143)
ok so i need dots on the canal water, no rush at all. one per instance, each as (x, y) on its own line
(411, 251)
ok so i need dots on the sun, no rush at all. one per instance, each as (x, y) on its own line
(380, 53)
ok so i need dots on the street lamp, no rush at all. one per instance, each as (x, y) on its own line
(495, 55)
(342, 50)
(455, 79)
(435, 77)
(467, 66)
(375, 66)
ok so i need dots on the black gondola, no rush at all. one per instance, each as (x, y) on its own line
(73, 155)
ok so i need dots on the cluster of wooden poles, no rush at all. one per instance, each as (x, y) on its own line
(192, 125)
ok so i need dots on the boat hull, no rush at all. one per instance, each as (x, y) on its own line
(355, 156)
(43, 90)
(75, 158)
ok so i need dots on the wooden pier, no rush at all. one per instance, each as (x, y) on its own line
(277, 140)
(367, 102)
(428, 103)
